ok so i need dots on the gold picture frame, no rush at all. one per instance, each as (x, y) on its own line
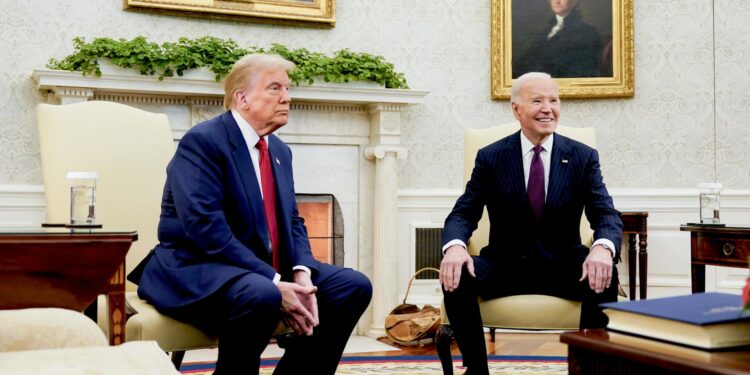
(612, 76)
(320, 13)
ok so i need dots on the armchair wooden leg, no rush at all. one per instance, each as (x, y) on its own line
(492, 334)
(177, 357)
(443, 339)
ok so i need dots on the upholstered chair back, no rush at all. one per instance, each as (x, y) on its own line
(476, 139)
(129, 150)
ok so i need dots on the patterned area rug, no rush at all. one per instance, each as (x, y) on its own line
(416, 365)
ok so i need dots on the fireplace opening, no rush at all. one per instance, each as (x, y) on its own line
(325, 226)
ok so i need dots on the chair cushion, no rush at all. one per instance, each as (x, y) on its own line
(171, 334)
(529, 311)
(143, 357)
(46, 328)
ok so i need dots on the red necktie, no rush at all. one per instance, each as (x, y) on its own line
(269, 198)
(535, 188)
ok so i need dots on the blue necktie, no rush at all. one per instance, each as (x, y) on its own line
(535, 188)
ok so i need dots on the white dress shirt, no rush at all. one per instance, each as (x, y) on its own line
(251, 139)
(527, 151)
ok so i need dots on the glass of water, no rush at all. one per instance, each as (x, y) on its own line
(709, 194)
(82, 197)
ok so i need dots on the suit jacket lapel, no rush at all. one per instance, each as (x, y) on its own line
(513, 160)
(559, 169)
(511, 163)
(244, 164)
(278, 163)
(284, 197)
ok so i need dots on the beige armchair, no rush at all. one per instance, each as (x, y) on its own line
(129, 149)
(58, 341)
(528, 312)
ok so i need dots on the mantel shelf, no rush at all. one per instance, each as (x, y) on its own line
(53, 80)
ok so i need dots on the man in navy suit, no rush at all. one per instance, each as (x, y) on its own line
(223, 263)
(534, 241)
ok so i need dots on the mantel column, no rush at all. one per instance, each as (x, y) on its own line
(385, 147)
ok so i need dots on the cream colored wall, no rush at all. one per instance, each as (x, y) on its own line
(665, 137)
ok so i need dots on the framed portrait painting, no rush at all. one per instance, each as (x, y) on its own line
(586, 45)
(299, 12)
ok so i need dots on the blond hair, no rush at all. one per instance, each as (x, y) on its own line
(245, 71)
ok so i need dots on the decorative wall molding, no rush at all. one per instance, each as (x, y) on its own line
(335, 107)
(197, 101)
(669, 270)
(21, 205)
(153, 99)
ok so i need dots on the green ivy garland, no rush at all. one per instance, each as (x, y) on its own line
(218, 55)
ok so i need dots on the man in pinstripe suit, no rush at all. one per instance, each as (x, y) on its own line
(535, 185)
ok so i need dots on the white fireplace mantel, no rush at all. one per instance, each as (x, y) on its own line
(73, 86)
(366, 119)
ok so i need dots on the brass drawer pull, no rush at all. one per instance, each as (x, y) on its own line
(728, 249)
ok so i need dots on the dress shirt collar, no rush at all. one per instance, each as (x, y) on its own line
(527, 146)
(251, 137)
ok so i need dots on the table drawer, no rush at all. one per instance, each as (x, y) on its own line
(722, 250)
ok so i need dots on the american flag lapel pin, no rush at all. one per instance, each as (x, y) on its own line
(279, 163)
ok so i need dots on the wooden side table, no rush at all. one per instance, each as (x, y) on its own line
(635, 224)
(602, 352)
(67, 268)
(717, 246)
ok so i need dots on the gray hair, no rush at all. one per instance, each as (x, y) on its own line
(520, 81)
(246, 69)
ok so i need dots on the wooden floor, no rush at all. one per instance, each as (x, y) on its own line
(542, 344)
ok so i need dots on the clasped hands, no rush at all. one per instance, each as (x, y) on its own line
(597, 267)
(299, 304)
